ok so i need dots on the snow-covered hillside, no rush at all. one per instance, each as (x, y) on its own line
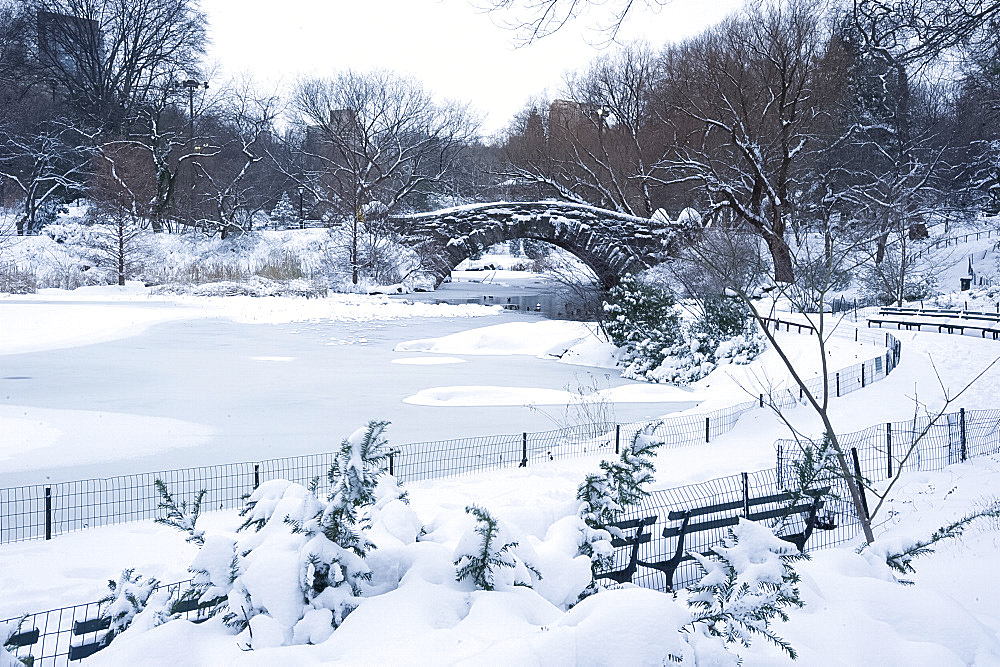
(413, 610)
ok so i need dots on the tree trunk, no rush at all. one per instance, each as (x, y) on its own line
(781, 256)
(121, 252)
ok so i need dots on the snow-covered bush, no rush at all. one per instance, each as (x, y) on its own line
(641, 319)
(747, 584)
(181, 516)
(299, 565)
(483, 553)
(126, 598)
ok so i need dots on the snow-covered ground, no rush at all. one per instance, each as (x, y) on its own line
(105, 381)
(854, 614)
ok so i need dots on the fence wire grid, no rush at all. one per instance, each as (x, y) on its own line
(840, 523)
(57, 637)
(44, 511)
(912, 445)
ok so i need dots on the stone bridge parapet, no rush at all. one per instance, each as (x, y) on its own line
(612, 244)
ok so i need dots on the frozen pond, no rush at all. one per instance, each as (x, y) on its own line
(210, 391)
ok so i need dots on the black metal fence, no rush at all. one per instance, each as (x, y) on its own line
(59, 636)
(840, 524)
(915, 444)
(955, 240)
(44, 511)
(882, 451)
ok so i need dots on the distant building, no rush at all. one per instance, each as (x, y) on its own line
(69, 44)
(572, 119)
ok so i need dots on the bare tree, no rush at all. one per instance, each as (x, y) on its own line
(535, 19)
(45, 164)
(108, 58)
(229, 171)
(373, 142)
(741, 102)
(599, 145)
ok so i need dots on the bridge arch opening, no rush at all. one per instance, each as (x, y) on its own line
(610, 244)
(528, 274)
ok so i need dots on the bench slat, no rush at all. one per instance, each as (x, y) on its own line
(781, 512)
(782, 497)
(93, 625)
(85, 650)
(629, 541)
(704, 525)
(23, 639)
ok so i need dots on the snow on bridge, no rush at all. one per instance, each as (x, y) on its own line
(611, 244)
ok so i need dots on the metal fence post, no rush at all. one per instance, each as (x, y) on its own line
(706, 428)
(618, 438)
(762, 400)
(256, 476)
(780, 465)
(392, 462)
(48, 512)
(961, 429)
(524, 451)
(838, 385)
(746, 495)
(862, 375)
(888, 450)
(857, 480)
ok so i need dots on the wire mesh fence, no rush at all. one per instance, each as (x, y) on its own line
(44, 511)
(921, 443)
(57, 637)
(715, 506)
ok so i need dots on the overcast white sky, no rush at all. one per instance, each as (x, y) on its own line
(455, 50)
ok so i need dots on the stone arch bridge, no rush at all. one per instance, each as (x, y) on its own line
(611, 244)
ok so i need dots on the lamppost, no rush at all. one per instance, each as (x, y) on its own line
(191, 85)
(302, 220)
(602, 118)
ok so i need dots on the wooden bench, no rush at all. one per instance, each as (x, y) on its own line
(100, 624)
(941, 326)
(808, 508)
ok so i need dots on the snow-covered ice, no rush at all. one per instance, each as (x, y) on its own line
(854, 613)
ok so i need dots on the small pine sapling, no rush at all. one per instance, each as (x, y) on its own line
(814, 467)
(628, 476)
(283, 211)
(902, 561)
(598, 510)
(603, 497)
(181, 516)
(748, 583)
(126, 598)
(354, 478)
(479, 559)
(7, 657)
